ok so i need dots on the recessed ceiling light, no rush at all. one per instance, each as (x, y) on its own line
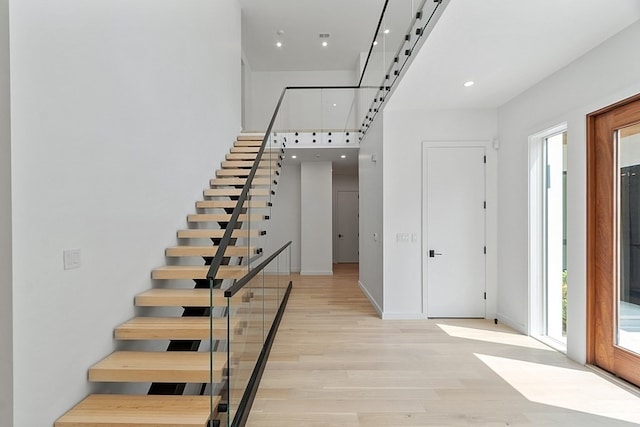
(294, 157)
(469, 83)
(386, 31)
(335, 105)
(343, 157)
(324, 44)
(279, 44)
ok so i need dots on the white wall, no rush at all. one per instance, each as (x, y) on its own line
(603, 76)
(120, 113)
(284, 224)
(371, 201)
(404, 132)
(304, 107)
(247, 94)
(6, 318)
(316, 256)
(340, 183)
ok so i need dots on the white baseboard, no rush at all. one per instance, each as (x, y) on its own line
(373, 302)
(404, 316)
(512, 324)
(317, 273)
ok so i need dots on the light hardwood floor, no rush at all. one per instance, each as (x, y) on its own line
(335, 363)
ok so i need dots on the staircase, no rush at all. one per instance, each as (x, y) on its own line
(184, 363)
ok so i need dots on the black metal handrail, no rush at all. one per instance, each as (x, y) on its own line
(228, 293)
(231, 225)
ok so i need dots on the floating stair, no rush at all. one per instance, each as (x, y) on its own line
(251, 156)
(245, 149)
(211, 233)
(224, 218)
(245, 172)
(105, 410)
(183, 298)
(175, 328)
(251, 137)
(179, 298)
(220, 192)
(179, 366)
(209, 251)
(230, 204)
(239, 181)
(198, 272)
(159, 366)
(247, 143)
(234, 164)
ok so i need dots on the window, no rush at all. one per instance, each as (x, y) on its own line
(548, 235)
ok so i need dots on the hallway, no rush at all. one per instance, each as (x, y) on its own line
(335, 363)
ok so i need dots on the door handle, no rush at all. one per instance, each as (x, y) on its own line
(432, 253)
(340, 235)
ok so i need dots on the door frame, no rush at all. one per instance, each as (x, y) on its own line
(491, 220)
(601, 245)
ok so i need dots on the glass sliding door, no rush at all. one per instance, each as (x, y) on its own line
(628, 310)
(613, 238)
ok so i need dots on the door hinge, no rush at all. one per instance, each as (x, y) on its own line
(485, 205)
(485, 159)
(485, 250)
(485, 295)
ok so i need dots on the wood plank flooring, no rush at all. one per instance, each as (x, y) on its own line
(335, 363)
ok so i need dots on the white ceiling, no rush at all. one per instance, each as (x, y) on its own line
(346, 166)
(505, 46)
(350, 23)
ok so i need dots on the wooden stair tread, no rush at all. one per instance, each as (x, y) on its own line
(218, 192)
(159, 366)
(244, 149)
(250, 137)
(185, 298)
(267, 150)
(208, 251)
(264, 164)
(230, 204)
(198, 272)
(251, 156)
(248, 143)
(175, 328)
(214, 233)
(108, 410)
(262, 172)
(179, 298)
(224, 218)
(239, 181)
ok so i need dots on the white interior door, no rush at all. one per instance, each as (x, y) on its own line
(348, 226)
(455, 231)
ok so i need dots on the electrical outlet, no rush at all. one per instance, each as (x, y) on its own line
(71, 259)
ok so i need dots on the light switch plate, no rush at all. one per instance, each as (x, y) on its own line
(71, 259)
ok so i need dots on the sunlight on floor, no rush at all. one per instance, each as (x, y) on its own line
(492, 336)
(573, 389)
